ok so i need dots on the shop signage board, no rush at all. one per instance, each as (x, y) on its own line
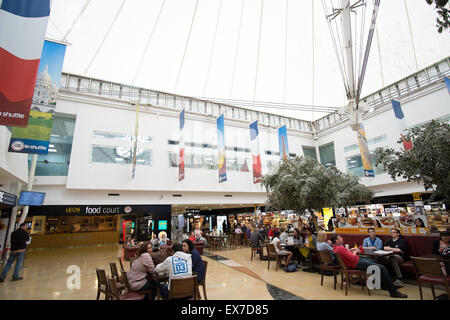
(8, 198)
(408, 224)
(100, 210)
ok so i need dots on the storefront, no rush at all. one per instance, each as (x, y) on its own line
(60, 226)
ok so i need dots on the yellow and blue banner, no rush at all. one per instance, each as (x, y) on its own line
(221, 149)
(34, 138)
(364, 150)
(283, 143)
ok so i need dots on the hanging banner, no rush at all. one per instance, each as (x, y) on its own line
(283, 143)
(23, 24)
(133, 165)
(364, 150)
(181, 159)
(256, 154)
(221, 149)
(34, 138)
(447, 82)
(401, 123)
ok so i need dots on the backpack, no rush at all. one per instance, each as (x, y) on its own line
(291, 268)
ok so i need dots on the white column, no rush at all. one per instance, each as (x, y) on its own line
(24, 214)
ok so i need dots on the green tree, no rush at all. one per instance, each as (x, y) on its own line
(428, 162)
(302, 183)
(443, 19)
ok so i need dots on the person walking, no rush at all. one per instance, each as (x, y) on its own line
(19, 239)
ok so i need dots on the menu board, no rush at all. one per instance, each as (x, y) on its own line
(408, 224)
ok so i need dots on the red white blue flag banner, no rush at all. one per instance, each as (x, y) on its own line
(256, 154)
(221, 149)
(181, 159)
(401, 123)
(23, 24)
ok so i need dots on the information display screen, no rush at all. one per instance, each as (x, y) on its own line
(162, 225)
(30, 198)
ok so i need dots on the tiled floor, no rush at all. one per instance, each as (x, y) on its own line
(230, 276)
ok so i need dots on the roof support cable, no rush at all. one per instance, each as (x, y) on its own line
(76, 20)
(237, 49)
(148, 41)
(104, 38)
(333, 38)
(186, 46)
(213, 47)
(258, 52)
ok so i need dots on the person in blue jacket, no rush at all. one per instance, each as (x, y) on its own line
(197, 262)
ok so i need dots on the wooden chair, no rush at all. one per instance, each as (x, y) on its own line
(238, 239)
(128, 288)
(231, 241)
(184, 288)
(349, 273)
(246, 240)
(326, 264)
(428, 270)
(121, 264)
(254, 250)
(272, 253)
(203, 282)
(102, 283)
(114, 292)
(115, 275)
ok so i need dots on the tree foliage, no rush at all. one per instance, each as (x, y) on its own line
(302, 183)
(443, 19)
(428, 162)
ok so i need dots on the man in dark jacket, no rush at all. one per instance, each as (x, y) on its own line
(19, 239)
(399, 246)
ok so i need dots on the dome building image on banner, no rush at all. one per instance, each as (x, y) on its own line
(45, 91)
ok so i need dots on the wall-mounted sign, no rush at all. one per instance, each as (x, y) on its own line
(30, 198)
(8, 198)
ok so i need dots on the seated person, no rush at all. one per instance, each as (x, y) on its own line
(154, 241)
(298, 241)
(325, 245)
(310, 241)
(192, 236)
(163, 240)
(177, 266)
(400, 247)
(353, 261)
(372, 242)
(256, 239)
(283, 236)
(197, 263)
(419, 223)
(440, 246)
(215, 232)
(199, 238)
(281, 251)
(141, 267)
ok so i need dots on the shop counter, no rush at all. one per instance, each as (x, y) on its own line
(57, 240)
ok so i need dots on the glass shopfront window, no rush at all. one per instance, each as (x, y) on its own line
(309, 152)
(327, 157)
(56, 162)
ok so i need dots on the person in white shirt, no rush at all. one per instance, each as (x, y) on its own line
(177, 266)
(284, 235)
(280, 251)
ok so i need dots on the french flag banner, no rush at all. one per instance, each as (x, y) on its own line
(401, 123)
(181, 155)
(23, 24)
(256, 155)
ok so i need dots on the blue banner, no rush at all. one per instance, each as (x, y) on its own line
(34, 138)
(221, 149)
(283, 143)
(447, 82)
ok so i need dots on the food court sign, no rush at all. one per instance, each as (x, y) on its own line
(408, 224)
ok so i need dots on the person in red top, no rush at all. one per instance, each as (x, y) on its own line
(272, 231)
(353, 261)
